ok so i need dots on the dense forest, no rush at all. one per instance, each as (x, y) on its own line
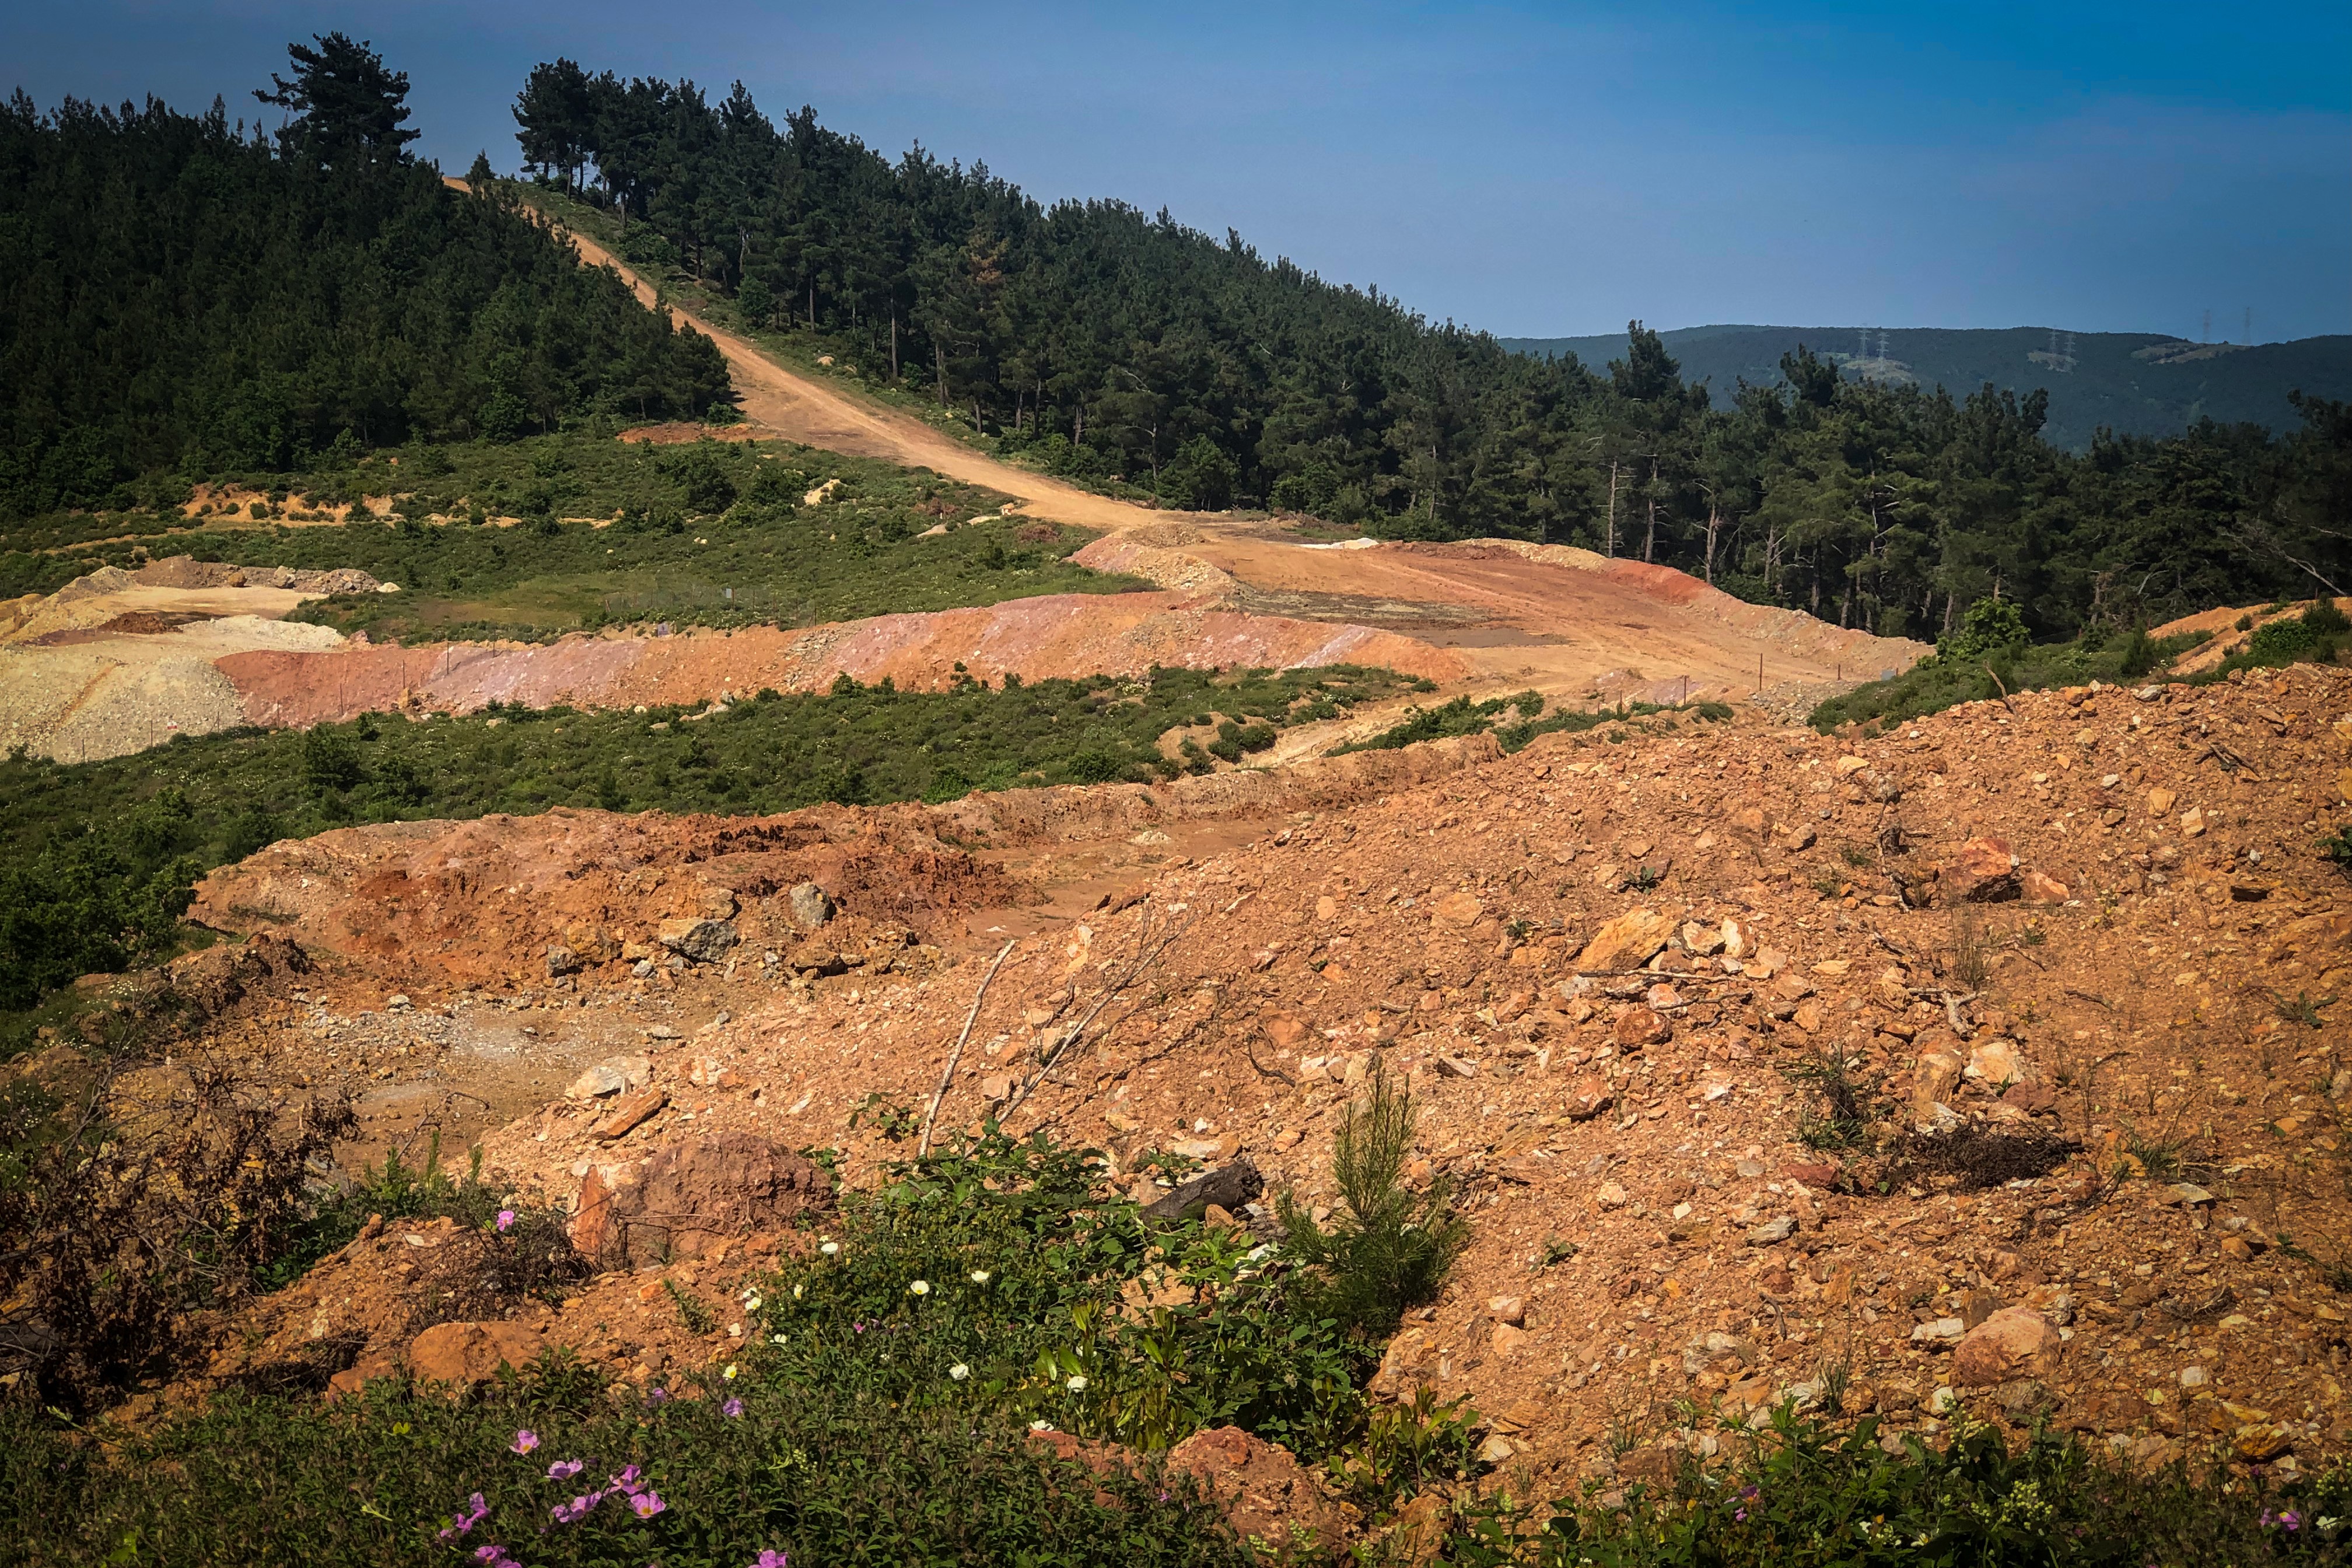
(1109, 342)
(187, 293)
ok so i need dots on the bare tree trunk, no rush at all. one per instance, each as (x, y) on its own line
(894, 343)
(1610, 544)
(1714, 524)
(939, 357)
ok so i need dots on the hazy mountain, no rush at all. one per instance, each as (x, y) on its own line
(2142, 384)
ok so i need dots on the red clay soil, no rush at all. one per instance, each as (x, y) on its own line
(1035, 638)
(2063, 930)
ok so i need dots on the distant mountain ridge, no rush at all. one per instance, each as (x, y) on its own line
(2140, 383)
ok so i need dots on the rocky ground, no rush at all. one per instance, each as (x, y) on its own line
(2074, 960)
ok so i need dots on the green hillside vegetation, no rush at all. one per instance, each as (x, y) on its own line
(593, 532)
(2131, 383)
(101, 856)
(183, 294)
(1121, 349)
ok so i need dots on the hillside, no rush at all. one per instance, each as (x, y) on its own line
(2134, 383)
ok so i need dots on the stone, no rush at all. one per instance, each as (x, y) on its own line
(1793, 839)
(1637, 1027)
(1939, 1332)
(1459, 910)
(696, 938)
(1261, 1490)
(1704, 941)
(630, 1112)
(1735, 941)
(1506, 1338)
(692, 1197)
(597, 1082)
(2016, 1342)
(2188, 1193)
(1629, 942)
(809, 905)
(1941, 1062)
(1772, 1232)
(2261, 1443)
(1590, 1098)
(561, 961)
(1821, 1176)
(1229, 1187)
(1610, 1195)
(2040, 887)
(2192, 823)
(1981, 871)
(1511, 1309)
(2159, 802)
(1326, 907)
(1285, 1031)
(1456, 1066)
(1995, 1060)
(469, 1354)
(1662, 997)
(706, 1072)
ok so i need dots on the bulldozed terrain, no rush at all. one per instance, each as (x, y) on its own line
(1986, 1070)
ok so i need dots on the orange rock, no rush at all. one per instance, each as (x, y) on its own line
(1590, 1098)
(2040, 887)
(1637, 1027)
(2016, 1342)
(1260, 1488)
(1981, 871)
(470, 1354)
(630, 1112)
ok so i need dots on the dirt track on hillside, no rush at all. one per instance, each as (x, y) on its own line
(800, 410)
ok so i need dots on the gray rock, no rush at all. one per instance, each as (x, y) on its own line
(562, 960)
(1772, 1231)
(1230, 1187)
(810, 906)
(1942, 1332)
(697, 940)
(597, 1082)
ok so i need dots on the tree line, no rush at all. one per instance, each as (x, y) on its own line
(1110, 342)
(187, 292)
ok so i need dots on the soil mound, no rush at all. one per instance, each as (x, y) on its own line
(1037, 639)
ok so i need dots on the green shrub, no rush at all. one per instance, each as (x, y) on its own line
(756, 1465)
(1391, 1247)
(1803, 1494)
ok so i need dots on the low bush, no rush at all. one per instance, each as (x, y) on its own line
(1805, 1494)
(1964, 671)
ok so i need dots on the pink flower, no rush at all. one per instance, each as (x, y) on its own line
(565, 1469)
(505, 1219)
(578, 1509)
(631, 1480)
(460, 1523)
(524, 1441)
(648, 1504)
(731, 1408)
(772, 1560)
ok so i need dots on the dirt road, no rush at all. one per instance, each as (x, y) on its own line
(807, 411)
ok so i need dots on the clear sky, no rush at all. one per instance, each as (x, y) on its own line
(1534, 170)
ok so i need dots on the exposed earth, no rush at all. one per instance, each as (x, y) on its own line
(2078, 956)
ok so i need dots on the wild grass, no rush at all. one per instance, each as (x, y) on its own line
(709, 533)
(1938, 682)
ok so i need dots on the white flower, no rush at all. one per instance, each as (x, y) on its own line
(796, 1292)
(753, 1304)
(1077, 1385)
(980, 1276)
(958, 1372)
(919, 1288)
(1041, 1425)
(780, 1339)
(729, 1372)
(830, 1248)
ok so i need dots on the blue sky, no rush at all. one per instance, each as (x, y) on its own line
(1534, 170)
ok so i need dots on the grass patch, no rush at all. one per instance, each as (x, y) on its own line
(102, 855)
(1806, 1494)
(1527, 720)
(711, 533)
(1955, 675)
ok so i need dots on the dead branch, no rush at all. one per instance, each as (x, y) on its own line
(946, 1073)
(1147, 955)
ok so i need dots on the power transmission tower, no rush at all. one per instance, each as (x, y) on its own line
(2207, 335)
